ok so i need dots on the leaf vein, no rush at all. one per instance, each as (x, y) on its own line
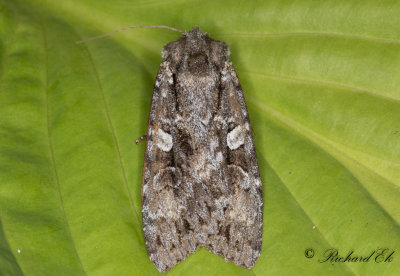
(324, 83)
(304, 211)
(311, 33)
(323, 143)
(51, 146)
(114, 136)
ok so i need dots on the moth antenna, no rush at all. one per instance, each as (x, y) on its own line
(127, 28)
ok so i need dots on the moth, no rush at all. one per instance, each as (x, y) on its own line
(201, 183)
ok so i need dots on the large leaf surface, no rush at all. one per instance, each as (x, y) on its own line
(322, 84)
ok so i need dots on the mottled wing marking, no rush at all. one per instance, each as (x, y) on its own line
(242, 227)
(160, 207)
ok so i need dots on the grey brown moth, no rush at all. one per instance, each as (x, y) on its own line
(201, 182)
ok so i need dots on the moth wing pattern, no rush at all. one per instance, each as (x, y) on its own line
(201, 184)
(160, 206)
(241, 235)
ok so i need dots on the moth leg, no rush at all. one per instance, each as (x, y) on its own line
(141, 138)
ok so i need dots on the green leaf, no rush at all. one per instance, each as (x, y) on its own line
(322, 84)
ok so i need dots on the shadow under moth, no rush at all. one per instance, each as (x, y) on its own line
(201, 183)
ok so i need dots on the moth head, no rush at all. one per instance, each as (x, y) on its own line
(197, 51)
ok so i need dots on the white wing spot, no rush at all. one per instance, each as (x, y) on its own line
(219, 157)
(213, 144)
(164, 140)
(235, 138)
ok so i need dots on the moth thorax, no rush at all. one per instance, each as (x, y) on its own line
(197, 63)
(196, 52)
